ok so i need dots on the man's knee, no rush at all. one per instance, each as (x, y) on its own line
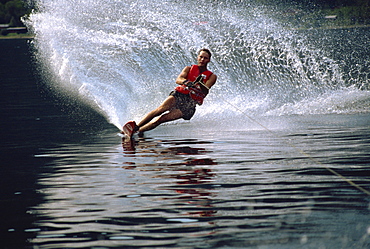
(156, 112)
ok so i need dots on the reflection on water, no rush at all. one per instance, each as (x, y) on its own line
(187, 177)
(247, 189)
(156, 187)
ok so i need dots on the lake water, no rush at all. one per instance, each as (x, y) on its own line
(279, 160)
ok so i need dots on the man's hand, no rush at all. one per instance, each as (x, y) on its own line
(189, 83)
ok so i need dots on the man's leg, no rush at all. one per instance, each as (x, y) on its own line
(167, 105)
(170, 116)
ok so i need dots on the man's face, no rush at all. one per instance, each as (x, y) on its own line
(203, 58)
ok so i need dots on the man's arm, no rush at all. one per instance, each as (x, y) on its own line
(211, 81)
(182, 76)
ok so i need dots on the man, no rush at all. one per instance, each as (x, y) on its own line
(182, 101)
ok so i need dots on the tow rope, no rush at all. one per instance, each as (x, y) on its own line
(299, 150)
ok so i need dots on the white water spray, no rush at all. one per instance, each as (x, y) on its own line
(122, 57)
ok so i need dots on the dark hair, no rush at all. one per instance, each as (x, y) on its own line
(207, 51)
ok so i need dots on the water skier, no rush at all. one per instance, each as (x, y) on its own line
(194, 84)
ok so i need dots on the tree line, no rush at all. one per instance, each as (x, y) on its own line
(347, 12)
(11, 12)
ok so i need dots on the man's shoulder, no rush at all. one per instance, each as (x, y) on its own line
(187, 68)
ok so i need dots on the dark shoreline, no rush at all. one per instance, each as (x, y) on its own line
(17, 37)
(335, 27)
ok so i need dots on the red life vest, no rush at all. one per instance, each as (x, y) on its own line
(195, 91)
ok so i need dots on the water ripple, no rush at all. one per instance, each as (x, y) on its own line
(182, 193)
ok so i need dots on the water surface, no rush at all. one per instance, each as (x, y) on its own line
(277, 157)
